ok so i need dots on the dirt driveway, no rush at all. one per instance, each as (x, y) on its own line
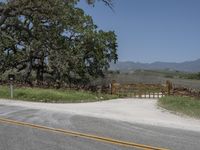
(143, 111)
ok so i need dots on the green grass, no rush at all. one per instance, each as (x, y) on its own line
(184, 105)
(53, 95)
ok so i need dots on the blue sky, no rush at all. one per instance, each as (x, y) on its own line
(152, 30)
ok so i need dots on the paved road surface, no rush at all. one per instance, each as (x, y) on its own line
(14, 137)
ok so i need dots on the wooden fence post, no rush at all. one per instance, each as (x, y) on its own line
(169, 87)
(112, 87)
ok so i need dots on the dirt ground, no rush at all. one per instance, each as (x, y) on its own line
(143, 111)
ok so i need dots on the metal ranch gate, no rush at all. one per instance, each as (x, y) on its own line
(139, 90)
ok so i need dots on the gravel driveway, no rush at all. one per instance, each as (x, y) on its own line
(144, 111)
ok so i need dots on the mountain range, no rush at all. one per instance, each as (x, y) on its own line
(188, 66)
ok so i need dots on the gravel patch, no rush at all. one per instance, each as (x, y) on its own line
(143, 111)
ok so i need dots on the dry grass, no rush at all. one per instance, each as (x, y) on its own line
(185, 105)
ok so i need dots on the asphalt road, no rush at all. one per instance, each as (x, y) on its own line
(15, 137)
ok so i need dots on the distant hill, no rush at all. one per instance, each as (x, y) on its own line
(189, 66)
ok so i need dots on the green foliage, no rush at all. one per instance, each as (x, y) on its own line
(185, 105)
(108, 3)
(53, 95)
(193, 76)
(53, 37)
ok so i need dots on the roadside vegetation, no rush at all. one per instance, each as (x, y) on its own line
(53, 43)
(53, 95)
(184, 105)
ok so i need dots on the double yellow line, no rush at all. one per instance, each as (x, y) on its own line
(81, 135)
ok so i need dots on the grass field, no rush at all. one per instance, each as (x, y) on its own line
(184, 105)
(154, 77)
(53, 95)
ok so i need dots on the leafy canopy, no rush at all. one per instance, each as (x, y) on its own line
(54, 38)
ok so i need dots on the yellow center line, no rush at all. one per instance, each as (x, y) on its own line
(81, 135)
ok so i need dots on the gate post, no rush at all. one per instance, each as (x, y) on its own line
(169, 87)
(114, 87)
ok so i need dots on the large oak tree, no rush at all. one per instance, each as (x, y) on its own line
(53, 37)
